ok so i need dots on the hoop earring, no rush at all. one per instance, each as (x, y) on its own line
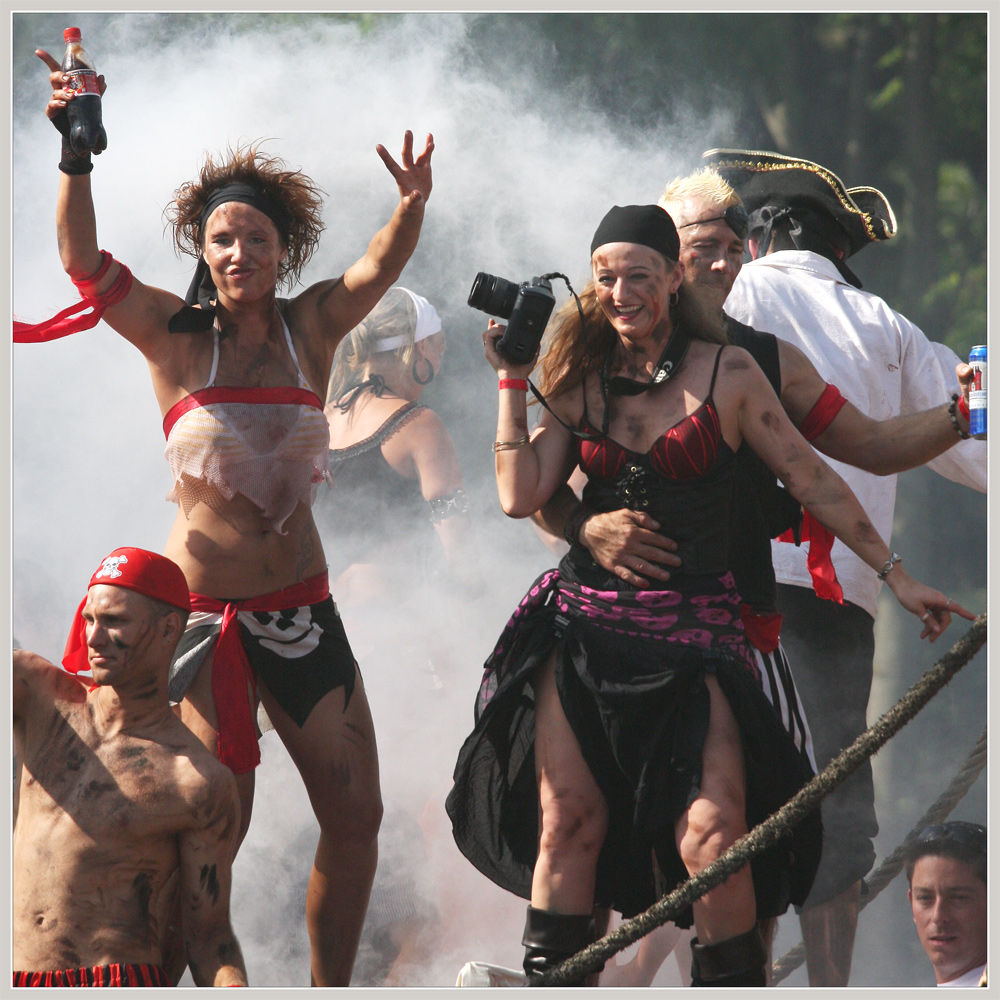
(430, 373)
(674, 299)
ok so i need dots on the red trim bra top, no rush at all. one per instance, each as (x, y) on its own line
(685, 451)
(269, 444)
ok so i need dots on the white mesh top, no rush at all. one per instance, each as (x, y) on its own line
(269, 444)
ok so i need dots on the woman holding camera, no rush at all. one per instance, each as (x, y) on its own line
(632, 723)
(235, 371)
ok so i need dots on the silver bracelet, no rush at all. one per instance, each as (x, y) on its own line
(510, 445)
(894, 557)
(454, 503)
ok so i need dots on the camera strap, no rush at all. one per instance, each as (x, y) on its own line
(575, 431)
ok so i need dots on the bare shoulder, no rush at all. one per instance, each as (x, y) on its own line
(207, 787)
(793, 362)
(738, 370)
(423, 423)
(312, 321)
(569, 404)
(736, 359)
(35, 678)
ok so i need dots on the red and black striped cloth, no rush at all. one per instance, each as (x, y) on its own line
(98, 975)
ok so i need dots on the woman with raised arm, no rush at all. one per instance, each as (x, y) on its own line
(238, 374)
(622, 739)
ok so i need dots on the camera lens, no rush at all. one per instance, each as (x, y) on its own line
(493, 295)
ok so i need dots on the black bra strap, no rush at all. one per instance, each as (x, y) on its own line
(715, 371)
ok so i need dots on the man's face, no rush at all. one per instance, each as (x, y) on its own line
(949, 908)
(711, 252)
(121, 631)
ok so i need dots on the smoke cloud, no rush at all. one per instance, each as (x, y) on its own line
(522, 175)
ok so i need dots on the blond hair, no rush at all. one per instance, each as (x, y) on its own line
(704, 183)
(394, 316)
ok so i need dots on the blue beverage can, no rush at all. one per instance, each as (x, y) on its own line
(977, 392)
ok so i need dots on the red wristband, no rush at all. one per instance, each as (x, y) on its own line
(963, 407)
(514, 383)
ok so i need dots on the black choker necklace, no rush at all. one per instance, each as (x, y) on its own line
(668, 365)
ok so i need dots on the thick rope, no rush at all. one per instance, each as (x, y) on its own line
(766, 834)
(893, 864)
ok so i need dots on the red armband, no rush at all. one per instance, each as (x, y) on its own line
(514, 383)
(74, 319)
(963, 408)
(821, 415)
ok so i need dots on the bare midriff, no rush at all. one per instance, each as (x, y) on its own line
(236, 553)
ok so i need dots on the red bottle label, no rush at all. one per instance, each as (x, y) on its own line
(82, 81)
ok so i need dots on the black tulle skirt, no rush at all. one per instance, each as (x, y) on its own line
(630, 670)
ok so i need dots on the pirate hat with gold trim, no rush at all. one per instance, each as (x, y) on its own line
(765, 179)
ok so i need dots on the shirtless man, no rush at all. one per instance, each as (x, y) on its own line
(118, 801)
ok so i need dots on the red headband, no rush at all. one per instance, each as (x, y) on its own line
(145, 572)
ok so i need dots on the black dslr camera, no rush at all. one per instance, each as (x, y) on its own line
(526, 307)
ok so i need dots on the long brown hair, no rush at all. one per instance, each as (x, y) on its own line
(574, 349)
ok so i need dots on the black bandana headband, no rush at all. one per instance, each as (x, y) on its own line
(648, 225)
(202, 289)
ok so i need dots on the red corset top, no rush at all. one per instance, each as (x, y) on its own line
(686, 451)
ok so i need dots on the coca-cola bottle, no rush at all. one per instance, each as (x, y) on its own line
(86, 130)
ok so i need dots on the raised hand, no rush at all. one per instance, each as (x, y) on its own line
(413, 178)
(60, 96)
(504, 367)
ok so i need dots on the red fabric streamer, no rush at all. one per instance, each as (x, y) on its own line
(821, 415)
(74, 318)
(820, 539)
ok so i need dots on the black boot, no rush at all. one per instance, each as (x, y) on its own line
(550, 938)
(737, 961)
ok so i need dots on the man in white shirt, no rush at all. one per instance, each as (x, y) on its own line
(803, 226)
(946, 869)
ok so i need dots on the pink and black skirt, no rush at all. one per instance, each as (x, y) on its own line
(630, 668)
